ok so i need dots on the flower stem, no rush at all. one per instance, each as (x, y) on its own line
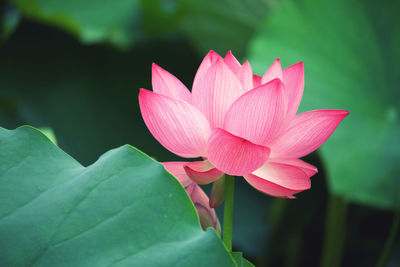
(335, 232)
(387, 250)
(228, 212)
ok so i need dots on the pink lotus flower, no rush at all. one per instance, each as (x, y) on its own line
(239, 123)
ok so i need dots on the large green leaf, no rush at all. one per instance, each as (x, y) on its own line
(9, 20)
(219, 25)
(124, 209)
(222, 25)
(350, 52)
(91, 20)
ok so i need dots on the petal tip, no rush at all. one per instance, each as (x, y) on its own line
(229, 53)
(143, 92)
(213, 54)
(338, 112)
(156, 69)
(345, 113)
(246, 62)
(155, 66)
(297, 66)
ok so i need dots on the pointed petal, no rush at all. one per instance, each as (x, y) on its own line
(288, 176)
(207, 215)
(234, 155)
(202, 172)
(176, 124)
(268, 187)
(273, 72)
(279, 179)
(167, 84)
(208, 60)
(293, 78)
(256, 81)
(309, 169)
(217, 195)
(177, 170)
(245, 76)
(215, 88)
(258, 115)
(244, 73)
(231, 61)
(306, 133)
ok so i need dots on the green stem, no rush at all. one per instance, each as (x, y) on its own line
(228, 212)
(293, 251)
(335, 232)
(387, 250)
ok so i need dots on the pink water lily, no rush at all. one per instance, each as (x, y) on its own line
(239, 123)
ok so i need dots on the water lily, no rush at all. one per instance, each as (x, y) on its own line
(239, 123)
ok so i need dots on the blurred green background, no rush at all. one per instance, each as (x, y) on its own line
(77, 66)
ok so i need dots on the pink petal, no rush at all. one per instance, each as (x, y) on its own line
(208, 60)
(309, 169)
(273, 72)
(256, 81)
(288, 176)
(231, 61)
(167, 84)
(257, 115)
(306, 133)
(215, 88)
(202, 172)
(279, 179)
(234, 155)
(176, 124)
(293, 77)
(243, 72)
(177, 170)
(269, 188)
(245, 76)
(207, 215)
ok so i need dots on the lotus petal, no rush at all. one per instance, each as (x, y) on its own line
(176, 124)
(258, 115)
(306, 133)
(234, 155)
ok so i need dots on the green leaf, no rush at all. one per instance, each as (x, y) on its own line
(161, 17)
(124, 209)
(240, 261)
(246, 263)
(222, 25)
(9, 20)
(92, 21)
(350, 53)
(49, 133)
